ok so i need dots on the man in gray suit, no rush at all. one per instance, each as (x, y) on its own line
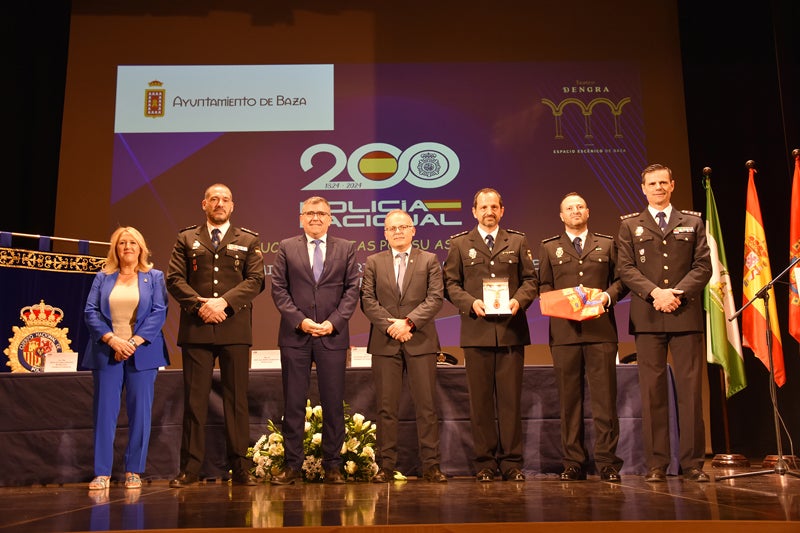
(315, 288)
(401, 293)
(494, 344)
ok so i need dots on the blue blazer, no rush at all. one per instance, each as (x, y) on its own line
(150, 317)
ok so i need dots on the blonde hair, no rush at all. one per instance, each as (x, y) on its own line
(112, 260)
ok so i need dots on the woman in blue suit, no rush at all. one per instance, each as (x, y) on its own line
(125, 311)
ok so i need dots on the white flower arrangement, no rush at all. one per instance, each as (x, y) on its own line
(358, 449)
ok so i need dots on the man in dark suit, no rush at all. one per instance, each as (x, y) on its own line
(401, 293)
(664, 259)
(315, 288)
(579, 257)
(494, 344)
(215, 272)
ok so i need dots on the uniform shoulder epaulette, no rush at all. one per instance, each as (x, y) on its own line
(629, 215)
(604, 235)
(187, 228)
(554, 237)
(459, 234)
(695, 213)
(251, 232)
(516, 232)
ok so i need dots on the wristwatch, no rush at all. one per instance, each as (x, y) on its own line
(132, 342)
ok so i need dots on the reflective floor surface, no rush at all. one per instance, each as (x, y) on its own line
(771, 500)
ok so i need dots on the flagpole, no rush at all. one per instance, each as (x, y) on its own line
(781, 467)
(727, 459)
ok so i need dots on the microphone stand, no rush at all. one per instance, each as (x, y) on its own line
(781, 466)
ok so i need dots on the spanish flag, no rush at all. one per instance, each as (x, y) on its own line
(794, 251)
(757, 274)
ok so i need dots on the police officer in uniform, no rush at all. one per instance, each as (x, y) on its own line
(665, 261)
(494, 345)
(215, 272)
(579, 257)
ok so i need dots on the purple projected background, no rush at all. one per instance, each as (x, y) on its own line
(533, 131)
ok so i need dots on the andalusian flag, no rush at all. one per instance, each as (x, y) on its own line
(757, 274)
(723, 342)
(794, 251)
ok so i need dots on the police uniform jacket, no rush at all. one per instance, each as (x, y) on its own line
(234, 271)
(678, 259)
(468, 263)
(561, 267)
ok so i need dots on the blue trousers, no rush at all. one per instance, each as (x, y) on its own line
(108, 385)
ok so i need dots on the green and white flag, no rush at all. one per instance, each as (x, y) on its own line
(723, 341)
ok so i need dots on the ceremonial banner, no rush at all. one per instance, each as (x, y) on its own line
(723, 342)
(794, 251)
(757, 274)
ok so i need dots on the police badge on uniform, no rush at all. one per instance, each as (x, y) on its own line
(559, 252)
(473, 253)
(639, 231)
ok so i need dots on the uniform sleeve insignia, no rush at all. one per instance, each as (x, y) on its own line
(554, 237)
(187, 228)
(688, 212)
(251, 232)
(516, 232)
(459, 234)
(629, 215)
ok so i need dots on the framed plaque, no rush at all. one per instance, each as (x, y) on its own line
(496, 296)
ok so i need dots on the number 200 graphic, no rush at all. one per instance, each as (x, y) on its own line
(427, 165)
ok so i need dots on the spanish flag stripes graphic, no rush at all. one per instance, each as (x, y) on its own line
(757, 274)
(377, 165)
(443, 205)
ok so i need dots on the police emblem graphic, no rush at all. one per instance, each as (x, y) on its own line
(39, 337)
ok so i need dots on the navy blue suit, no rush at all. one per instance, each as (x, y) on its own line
(334, 298)
(137, 374)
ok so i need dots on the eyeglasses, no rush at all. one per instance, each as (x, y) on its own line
(320, 214)
(401, 229)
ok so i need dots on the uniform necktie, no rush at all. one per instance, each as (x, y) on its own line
(317, 266)
(662, 221)
(490, 242)
(215, 237)
(577, 242)
(401, 270)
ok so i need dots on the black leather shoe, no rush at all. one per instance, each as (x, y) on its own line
(286, 477)
(384, 475)
(434, 475)
(610, 474)
(572, 473)
(334, 475)
(184, 479)
(656, 475)
(514, 474)
(485, 476)
(696, 474)
(244, 478)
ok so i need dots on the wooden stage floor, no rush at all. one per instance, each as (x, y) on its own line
(764, 504)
